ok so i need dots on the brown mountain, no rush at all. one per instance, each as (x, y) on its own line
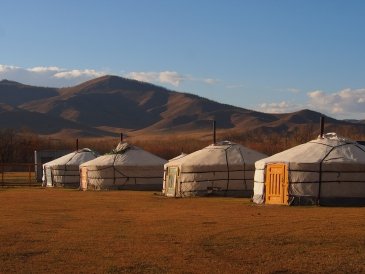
(14, 94)
(110, 104)
(16, 118)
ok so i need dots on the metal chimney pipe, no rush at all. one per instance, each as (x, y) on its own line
(77, 144)
(322, 126)
(121, 137)
(214, 132)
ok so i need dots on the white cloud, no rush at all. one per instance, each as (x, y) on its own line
(347, 103)
(343, 104)
(280, 107)
(54, 76)
(167, 77)
(75, 73)
(7, 68)
(170, 77)
(44, 69)
(143, 76)
(51, 76)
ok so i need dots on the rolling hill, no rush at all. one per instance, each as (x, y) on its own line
(14, 94)
(16, 118)
(110, 104)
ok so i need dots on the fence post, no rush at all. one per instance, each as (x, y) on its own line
(14, 177)
(30, 178)
(2, 174)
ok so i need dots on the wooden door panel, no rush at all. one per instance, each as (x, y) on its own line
(172, 173)
(276, 184)
(83, 179)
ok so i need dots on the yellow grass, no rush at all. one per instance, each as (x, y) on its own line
(68, 231)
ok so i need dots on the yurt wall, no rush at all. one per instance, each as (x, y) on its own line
(64, 171)
(326, 171)
(126, 167)
(224, 169)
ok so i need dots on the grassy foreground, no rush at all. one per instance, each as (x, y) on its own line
(68, 231)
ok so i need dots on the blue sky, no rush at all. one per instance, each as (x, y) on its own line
(272, 56)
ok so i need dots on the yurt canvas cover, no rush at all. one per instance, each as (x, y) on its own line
(327, 171)
(224, 168)
(126, 167)
(64, 171)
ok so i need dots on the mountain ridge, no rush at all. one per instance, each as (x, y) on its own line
(109, 104)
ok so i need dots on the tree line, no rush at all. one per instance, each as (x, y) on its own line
(18, 146)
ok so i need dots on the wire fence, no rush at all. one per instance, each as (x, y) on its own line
(18, 174)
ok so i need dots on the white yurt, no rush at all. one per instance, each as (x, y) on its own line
(327, 171)
(126, 167)
(224, 168)
(64, 171)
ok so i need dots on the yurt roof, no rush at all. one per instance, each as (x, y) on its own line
(178, 156)
(329, 148)
(127, 155)
(74, 158)
(218, 154)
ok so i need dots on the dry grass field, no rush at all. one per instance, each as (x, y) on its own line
(18, 179)
(68, 231)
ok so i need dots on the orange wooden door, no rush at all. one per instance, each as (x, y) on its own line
(276, 184)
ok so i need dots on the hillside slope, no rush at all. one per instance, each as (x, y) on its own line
(110, 104)
(14, 93)
(15, 118)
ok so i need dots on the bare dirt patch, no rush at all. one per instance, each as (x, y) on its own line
(68, 231)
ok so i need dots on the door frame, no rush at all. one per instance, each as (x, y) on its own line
(48, 176)
(171, 191)
(83, 178)
(282, 189)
